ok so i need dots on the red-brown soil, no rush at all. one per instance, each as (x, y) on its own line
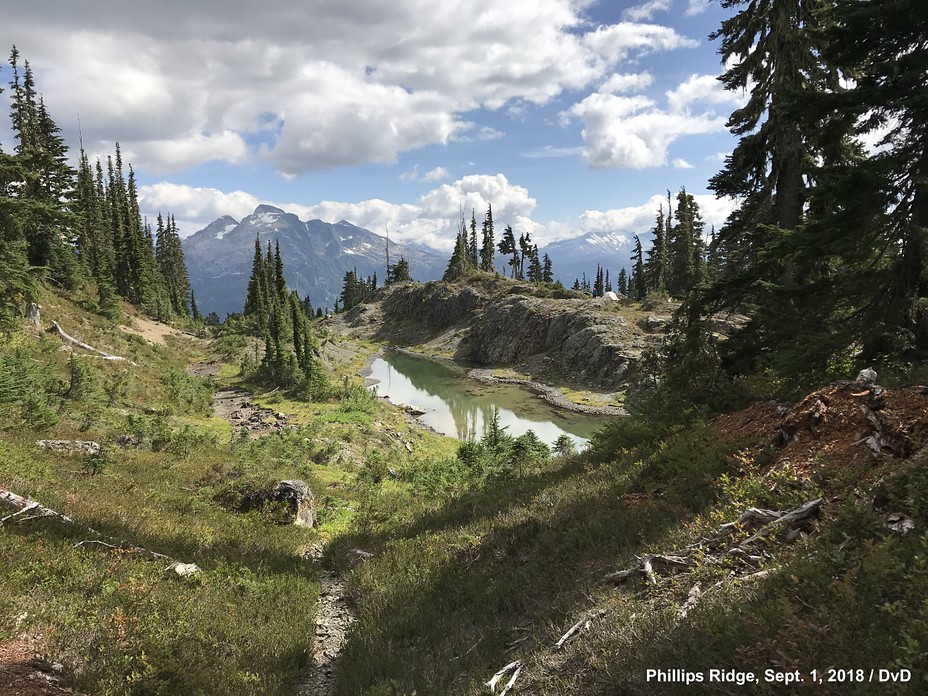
(838, 425)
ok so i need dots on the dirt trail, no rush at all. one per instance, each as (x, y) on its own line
(333, 618)
(235, 406)
(155, 332)
(24, 673)
(334, 613)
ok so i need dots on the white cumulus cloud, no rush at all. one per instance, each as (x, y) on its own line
(635, 132)
(318, 86)
(646, 10)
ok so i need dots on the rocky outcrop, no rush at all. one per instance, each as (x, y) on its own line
(579, 341)
(437, 305)
(583, 341)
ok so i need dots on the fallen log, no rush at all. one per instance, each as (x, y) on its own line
(56, 329)
(26, 505)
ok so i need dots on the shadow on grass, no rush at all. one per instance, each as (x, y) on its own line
(234, 631)
(439, 612)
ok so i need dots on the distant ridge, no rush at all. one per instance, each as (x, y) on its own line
(316, 255)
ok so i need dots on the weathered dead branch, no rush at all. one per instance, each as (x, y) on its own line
(56, 329)
(646, 565)
(27, 505)
(773, 521)
(582, 625)
(515, 668)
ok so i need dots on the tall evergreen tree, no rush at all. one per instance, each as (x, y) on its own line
(280, 284)
(472, 253)
(458, 264)
(507, 246)
(398, 272)
(771, 52)
(639, 285)
(535, 270)
(488, 250)
(656, 266)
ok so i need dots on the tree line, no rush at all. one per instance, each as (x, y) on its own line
(276, 314)
(522, 255)
(78, 227)
(827, 251)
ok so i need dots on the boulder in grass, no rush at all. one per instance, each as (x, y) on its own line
(299, 499)
(185, 571)
(70, 446)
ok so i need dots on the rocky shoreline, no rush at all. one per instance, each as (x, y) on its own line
(549, 393)
(552, 395)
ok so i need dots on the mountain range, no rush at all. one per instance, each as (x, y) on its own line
(571, 258)
(317, 254)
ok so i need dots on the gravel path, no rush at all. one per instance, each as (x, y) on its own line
(235, 406)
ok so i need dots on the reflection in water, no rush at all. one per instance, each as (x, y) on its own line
(457, 406)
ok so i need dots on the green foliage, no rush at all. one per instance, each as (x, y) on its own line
(186, 394)
(398, 272)
(356, 290)
(564, 446)
(17, 285)
(27, 392)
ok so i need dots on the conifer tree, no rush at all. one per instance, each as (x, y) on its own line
(770, 49)
(170, 257)
(507, 246)
(546, 275)
(194, 310)
(656, 267)
(458, 264)
(398, 272)
(472, 254)
(280, 284)
(535, 270)
(623, 282)
(488, 250)
(639, 285)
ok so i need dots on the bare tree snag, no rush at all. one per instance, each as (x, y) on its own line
(56, 329)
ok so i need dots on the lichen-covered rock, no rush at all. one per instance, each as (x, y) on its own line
(186, 571)
(300, 500)
(70, 446)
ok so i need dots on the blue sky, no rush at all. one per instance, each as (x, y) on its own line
(569, 117)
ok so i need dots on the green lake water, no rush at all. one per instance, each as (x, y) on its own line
(457, 406)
